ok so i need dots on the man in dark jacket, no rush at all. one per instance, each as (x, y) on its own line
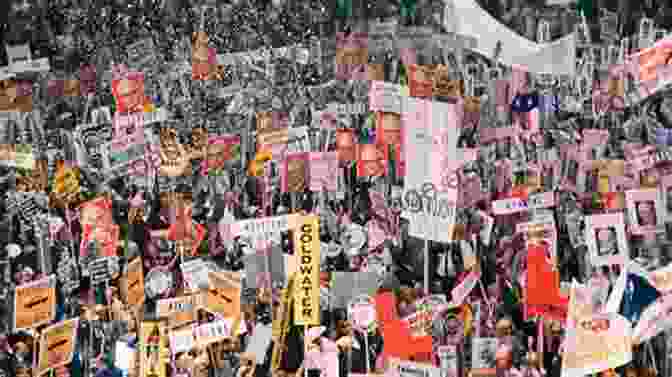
(353, 355)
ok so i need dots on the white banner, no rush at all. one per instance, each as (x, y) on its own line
(472, 20)
(556, 58)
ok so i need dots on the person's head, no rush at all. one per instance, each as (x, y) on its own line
(199, 42)
(343, 326)
(504, 357)
(606, 238)
(646, 213)
(504, 327)
(503, 148)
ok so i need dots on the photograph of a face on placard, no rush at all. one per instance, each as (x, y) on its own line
(483, 352)
(605, 238)
(645, 211)
(587, 179)
(666, 197)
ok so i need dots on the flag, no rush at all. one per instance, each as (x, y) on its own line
(344, 8)
(634, 291)
(586, 6)
(408, 8)
(655, 319)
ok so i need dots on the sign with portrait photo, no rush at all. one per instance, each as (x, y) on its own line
(645, 211)
(483, 351)
(666, 196)
(605, 238)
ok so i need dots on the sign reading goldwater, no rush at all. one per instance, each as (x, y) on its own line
(307, 286)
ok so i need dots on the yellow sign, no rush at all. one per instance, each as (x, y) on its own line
(153, 347)
(133, 286)
(307, 285)
(34, 304)
(223, 295)
(57, 345)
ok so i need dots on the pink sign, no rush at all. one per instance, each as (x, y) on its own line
(362, 315)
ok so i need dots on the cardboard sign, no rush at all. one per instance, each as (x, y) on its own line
(599, 342)
(133, 285)
(57, 345)
(129, 92)
(152, 347)
(413, 369)
(35, 303)
(215, 331)
(295, 172)
(419, 323)
(224, 294)
(307, 286)
(24, 156)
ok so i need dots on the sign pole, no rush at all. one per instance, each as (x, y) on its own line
(426, 263)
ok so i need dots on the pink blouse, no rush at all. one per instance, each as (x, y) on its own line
(325, 360)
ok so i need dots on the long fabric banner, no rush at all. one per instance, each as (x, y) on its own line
(307, 286)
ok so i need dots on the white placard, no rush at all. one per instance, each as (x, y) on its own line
(181, 341)
(195, 274)
(31, 66)
(18, 53)
(515, 205)
(261, 338)
(413, 369)
(385, 97)
(265, 227)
